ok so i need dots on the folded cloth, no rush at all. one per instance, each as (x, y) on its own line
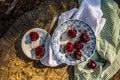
(107, 48)
(89, 11)
(51, 60)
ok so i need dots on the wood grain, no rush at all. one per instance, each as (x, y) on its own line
(14, 64)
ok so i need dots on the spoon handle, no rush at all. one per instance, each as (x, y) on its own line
(55, 17)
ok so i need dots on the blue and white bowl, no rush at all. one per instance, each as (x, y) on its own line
(60, 38)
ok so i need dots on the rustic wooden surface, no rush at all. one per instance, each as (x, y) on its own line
(14, 65)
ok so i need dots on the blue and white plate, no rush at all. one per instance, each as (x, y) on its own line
(29, 46)
(60, 38)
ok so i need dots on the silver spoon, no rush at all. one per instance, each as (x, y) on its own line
(54, 19)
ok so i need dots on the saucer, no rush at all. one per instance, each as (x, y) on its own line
(29, 46)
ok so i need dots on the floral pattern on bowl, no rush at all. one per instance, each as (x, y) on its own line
(60, 38)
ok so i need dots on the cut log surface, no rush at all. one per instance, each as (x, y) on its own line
(14, 65)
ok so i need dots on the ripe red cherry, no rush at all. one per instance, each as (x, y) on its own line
(34, 36)
(39, 51)
(72, 33)
(68, 47)
(84, 37)
(92, 64)
(77, 55)
(78, 45)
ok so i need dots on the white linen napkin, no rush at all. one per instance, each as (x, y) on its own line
(89, 11)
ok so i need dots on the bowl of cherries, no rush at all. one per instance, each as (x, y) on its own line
(73, 42)
(34, 45)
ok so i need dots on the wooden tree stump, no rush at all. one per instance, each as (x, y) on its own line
(14, 65)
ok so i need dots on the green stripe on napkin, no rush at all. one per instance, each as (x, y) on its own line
(107, 54)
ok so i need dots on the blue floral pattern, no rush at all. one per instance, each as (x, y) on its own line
(81, 27)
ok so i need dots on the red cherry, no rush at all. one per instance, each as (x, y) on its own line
(84, 37)
(69, 47)
(39, 51)
(92, 64)
(77, 55)
(34, 36)
(78, 45)
(72, 33)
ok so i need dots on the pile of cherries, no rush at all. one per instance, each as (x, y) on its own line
(78, 45)
(40, 50)
(69, 47)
